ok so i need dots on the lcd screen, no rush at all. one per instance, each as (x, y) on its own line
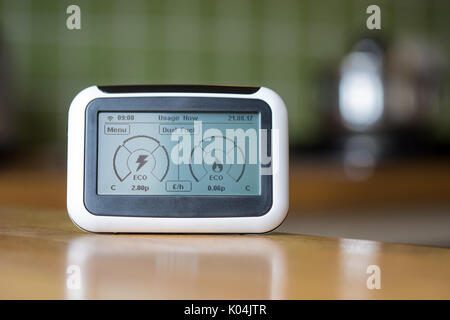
(178, 153)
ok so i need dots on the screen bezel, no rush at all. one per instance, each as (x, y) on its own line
(183, 206)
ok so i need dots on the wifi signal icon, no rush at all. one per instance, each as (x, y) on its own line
(110, 118)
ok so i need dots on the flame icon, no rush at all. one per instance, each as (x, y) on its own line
(217, 167)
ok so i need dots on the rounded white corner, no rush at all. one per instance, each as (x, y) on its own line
(83, 97)
(76, 219)
(273, 99)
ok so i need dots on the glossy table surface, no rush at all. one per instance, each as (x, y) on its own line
(44, 256)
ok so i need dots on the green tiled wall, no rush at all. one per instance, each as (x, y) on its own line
(281, 44)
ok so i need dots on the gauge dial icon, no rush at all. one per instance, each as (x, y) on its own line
(141, 154)
(231, 164)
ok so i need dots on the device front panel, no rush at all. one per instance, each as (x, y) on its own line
(177, 157)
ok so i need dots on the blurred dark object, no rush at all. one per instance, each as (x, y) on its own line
(6, 110)
(382, 103)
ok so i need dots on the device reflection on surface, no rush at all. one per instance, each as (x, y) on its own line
(177, 267)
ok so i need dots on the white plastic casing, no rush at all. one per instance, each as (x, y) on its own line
(126, 224)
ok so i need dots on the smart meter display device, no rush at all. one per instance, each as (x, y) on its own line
(177, 159)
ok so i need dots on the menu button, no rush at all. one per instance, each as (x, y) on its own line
(120, 129)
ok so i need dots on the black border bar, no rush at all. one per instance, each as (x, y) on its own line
(185, 88)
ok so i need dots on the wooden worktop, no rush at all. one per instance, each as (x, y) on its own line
(39, 246)
(314, 185)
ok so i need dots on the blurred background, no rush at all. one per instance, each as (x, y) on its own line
(369, 110)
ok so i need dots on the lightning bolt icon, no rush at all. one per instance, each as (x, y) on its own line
(141, 160)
